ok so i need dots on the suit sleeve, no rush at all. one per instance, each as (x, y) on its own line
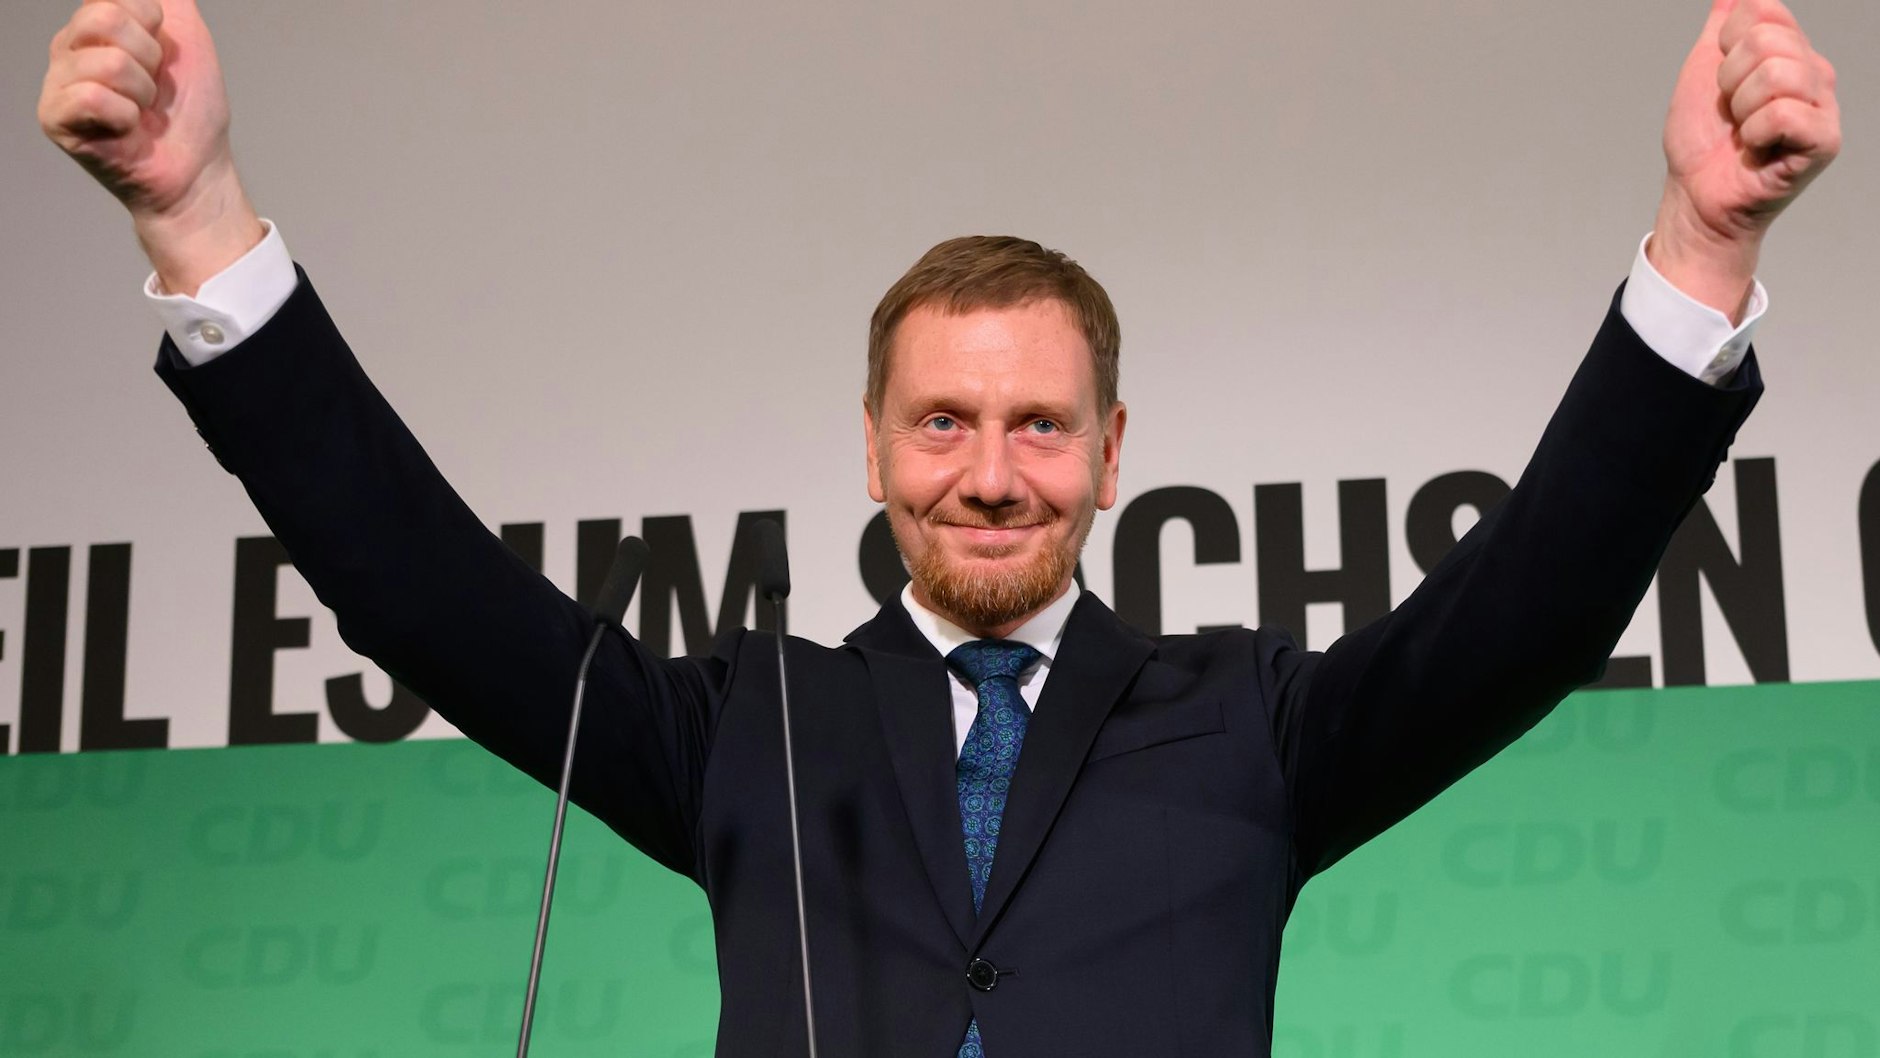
(1526, 607)
(421, 587)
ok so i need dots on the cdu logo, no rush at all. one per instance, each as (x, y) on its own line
(468, 887)
(458, 769)
(1344, 923)
(1770, 911)
(471, 1012)
(105, 780)
(99, 900)
(1831, 1034)
(1613, 722)
(1497, 986)
(1802, 779)
(1492, 855)
(44, 1023)
(274, 956)
(248, 834)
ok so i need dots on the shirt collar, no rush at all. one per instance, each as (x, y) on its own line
(1042, 633)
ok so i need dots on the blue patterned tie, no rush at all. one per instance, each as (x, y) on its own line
(987, 762)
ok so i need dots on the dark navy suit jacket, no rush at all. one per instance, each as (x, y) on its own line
(1174, 794)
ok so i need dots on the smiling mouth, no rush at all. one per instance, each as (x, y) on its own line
(991, 527)
(993, 538)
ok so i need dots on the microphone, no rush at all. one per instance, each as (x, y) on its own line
(773, 563)
(773, 584)
(609, 607)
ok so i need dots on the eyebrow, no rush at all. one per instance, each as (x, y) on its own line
(1066, 418)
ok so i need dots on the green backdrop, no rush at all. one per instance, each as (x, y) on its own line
(1674, 872)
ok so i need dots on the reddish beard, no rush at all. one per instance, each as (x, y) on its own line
(977, 599)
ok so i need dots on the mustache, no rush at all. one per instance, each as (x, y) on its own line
(970, 519)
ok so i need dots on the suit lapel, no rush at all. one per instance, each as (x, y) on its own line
(1097, 658)
(912, 695)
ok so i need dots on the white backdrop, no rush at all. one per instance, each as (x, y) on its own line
(616, 260)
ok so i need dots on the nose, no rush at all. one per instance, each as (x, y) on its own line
(991, 478)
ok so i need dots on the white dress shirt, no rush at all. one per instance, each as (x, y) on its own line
(1043, 633)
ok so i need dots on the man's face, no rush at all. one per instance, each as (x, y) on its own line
(992, 458)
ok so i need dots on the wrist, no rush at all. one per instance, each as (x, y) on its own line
(203, 233)
(1714, 268)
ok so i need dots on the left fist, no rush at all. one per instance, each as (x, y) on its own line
(1753, 120)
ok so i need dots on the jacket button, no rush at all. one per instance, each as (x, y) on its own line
(982, 975)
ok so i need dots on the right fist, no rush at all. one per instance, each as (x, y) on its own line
(134, 94)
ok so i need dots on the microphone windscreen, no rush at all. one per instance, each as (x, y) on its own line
(773, 560)
(623, 576)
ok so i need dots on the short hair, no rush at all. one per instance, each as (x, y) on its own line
(994, 272)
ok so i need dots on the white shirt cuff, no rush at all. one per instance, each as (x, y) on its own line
(233, 304)
(1694, 337)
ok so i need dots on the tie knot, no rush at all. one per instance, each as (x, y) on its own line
(985, 659)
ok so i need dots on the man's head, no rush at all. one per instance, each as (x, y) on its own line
(992, 424)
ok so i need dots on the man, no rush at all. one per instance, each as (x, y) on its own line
(1063, 838)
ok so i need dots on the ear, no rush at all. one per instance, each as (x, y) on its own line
(1112, 455)
(874, 458)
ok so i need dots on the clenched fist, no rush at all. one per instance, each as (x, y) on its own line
(1753, 120)
(134, 94)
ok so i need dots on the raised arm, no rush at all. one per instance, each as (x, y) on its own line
(1531, 602)
(133, 92)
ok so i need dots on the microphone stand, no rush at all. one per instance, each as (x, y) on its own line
(609, 607)
(773, 579)
(796, 836)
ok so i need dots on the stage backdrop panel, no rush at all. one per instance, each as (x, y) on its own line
(1672, 872)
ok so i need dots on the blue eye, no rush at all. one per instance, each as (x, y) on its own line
(1044, 426)
(941, 422)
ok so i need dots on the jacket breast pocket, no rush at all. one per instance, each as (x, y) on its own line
(1140, 725)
